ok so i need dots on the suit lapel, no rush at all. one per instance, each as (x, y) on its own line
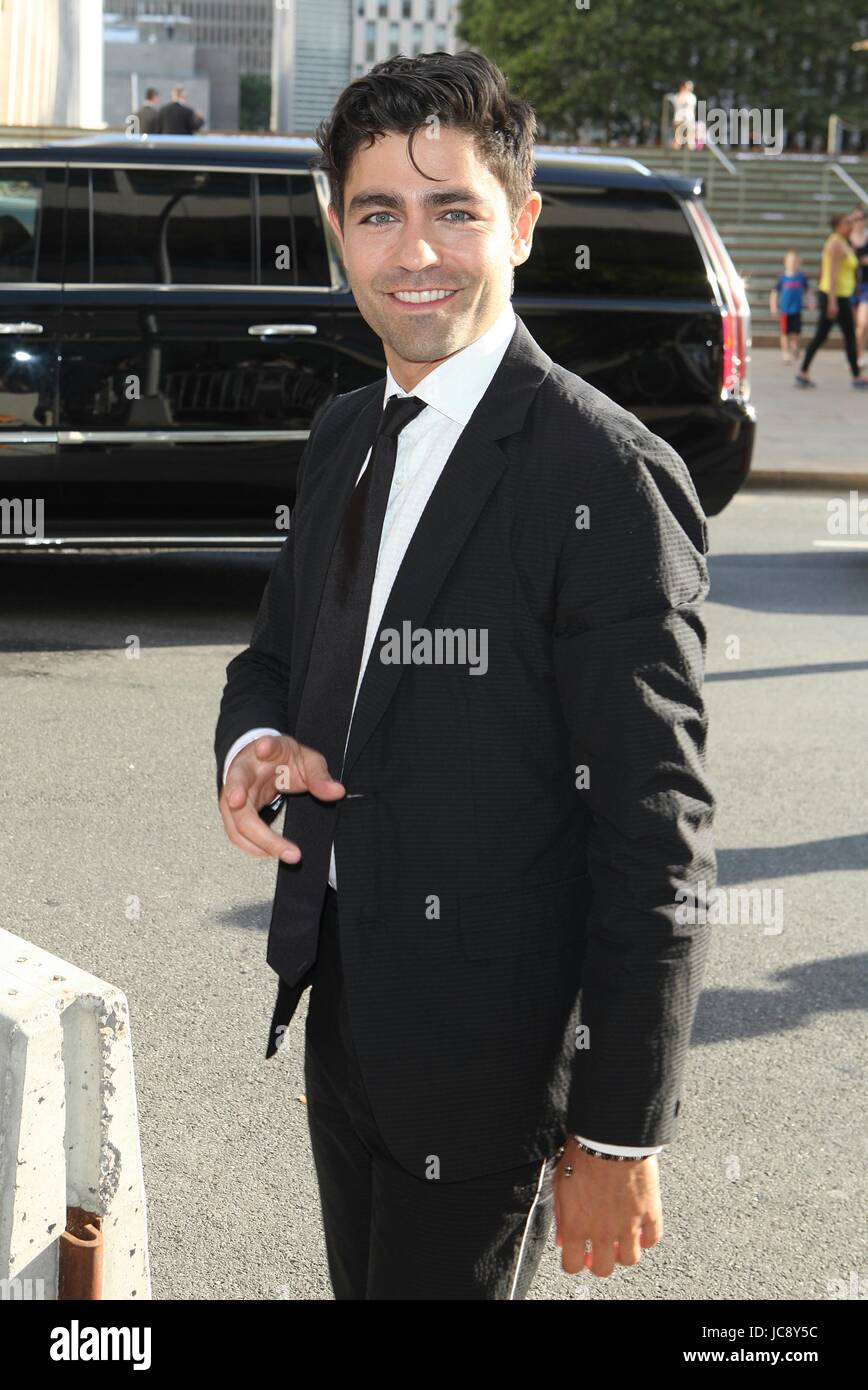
(465, 484)
(469, 476)
(326, 504)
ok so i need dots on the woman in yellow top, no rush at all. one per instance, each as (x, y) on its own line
(835, 290)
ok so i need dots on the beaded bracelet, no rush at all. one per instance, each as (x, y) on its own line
(619, 1158)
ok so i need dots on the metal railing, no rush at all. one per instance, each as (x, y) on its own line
(724, 161)
(826, 197)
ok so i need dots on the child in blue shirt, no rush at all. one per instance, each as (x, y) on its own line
(786, 301)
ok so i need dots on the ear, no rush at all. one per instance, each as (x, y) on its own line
(522, 237)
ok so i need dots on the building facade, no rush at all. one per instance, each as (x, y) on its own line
(51, 70)
(382, 28)
(243, 25)
(320, 45)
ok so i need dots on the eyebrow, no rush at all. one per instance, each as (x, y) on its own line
(434, 199)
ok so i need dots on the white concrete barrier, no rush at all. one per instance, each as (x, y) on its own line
(69, 1131)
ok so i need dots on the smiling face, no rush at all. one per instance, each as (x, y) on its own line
(429, 263)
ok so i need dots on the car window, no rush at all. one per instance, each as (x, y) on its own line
(20, 209)
(291, 238)
(638, 244)
(276, 259)
(310, 248)
(171, 227)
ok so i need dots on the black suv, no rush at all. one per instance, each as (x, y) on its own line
(173, 311)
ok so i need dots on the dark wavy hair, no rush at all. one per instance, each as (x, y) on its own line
(401, 95)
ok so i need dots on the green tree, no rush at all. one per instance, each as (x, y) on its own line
(610, 64)
(255, 102)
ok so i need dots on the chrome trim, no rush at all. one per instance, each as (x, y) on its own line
(30, 285)
(23, 328)
(179, 436)
(27, 436)
(215, 168)
(25, 543)
(202, 289)
(323, 193)
(273, 330)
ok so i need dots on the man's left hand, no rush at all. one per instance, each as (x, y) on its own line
(616, 1206)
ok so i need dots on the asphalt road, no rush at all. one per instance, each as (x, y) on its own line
(108, 794)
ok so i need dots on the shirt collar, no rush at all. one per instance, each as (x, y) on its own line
(456, 387)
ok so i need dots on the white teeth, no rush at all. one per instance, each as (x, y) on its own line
(421, 296)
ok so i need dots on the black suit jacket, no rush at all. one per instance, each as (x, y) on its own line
(177, 118)
(149, 119)
(488, 903)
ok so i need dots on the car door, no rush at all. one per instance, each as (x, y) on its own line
(31, 215)
(197, 346)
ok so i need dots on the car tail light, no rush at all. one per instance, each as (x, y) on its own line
(730, 376)
(734, 378)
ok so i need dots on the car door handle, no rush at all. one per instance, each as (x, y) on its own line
(20, 327)
(279, 330)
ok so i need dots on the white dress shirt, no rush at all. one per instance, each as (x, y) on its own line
(451, 392)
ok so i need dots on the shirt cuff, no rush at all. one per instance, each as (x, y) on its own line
(618, 1148)
(242, 742)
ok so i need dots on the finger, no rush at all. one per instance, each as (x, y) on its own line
(652, 1231)
(247, 829)
(601, 1260)
(236, 837)
(241, 842)
(267, 747)
(314, 772)
(236, 789)
(250, 824)
(628, 1251)
(573, 1254)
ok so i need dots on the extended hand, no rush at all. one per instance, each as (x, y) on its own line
(616, 1206)
(258, 774)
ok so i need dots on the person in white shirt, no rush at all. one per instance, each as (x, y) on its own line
(684, 117)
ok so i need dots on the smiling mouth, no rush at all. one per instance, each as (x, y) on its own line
(421, 296)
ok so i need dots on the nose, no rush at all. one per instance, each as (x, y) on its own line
(416, 249)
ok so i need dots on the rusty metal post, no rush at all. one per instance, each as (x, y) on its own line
(81, 1256)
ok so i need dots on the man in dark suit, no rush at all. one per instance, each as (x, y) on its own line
(475, 686)
(148, 114)
(177, 118)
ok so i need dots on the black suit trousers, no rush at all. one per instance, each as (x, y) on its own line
(389, 1233)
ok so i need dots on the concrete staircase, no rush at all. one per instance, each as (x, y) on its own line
(769, 205)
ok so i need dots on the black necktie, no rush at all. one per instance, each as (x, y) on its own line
(327, 699)
(339, 636)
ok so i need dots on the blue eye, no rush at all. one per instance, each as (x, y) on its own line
(453, 212)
